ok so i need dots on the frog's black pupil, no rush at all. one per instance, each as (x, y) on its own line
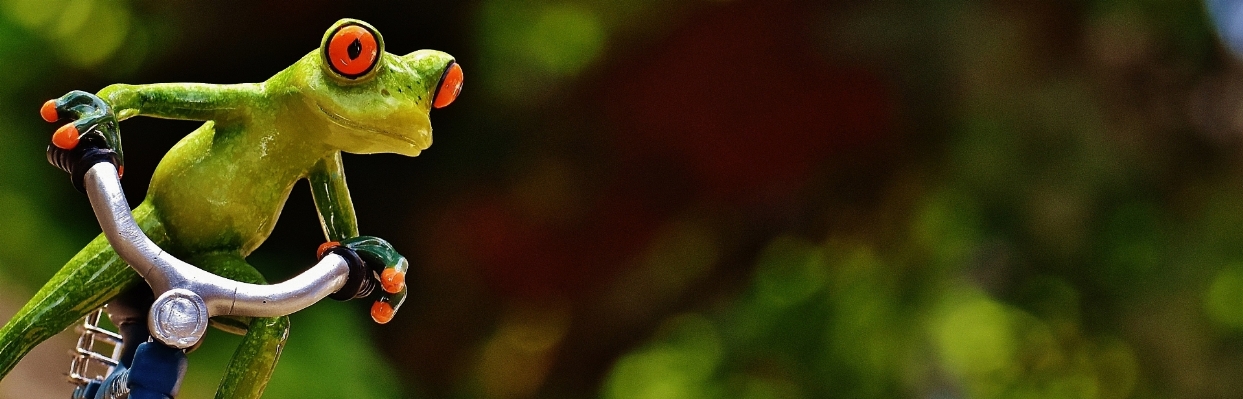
(355, 49)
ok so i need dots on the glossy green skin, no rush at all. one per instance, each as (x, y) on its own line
(216, 195)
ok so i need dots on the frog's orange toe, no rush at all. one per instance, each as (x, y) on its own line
(48, 111)
(382, 312)
(323, 248)
(392, 280)
(66, 137)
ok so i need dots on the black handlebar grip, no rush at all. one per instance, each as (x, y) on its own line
(90, 151)
(358, 284)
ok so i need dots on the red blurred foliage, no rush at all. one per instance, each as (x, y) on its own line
(539, 259)
(741, 99)
(735, 108)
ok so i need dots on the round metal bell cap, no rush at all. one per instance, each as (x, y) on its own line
(178, 318)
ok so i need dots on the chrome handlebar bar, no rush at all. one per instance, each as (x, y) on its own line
(186, 296)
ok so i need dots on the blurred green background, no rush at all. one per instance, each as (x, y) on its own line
(719, 199)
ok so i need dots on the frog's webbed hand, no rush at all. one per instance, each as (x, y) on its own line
(92, 133)
(386, 268)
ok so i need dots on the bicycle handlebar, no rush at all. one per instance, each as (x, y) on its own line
(187, 295)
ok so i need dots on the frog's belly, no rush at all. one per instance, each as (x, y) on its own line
(215, 196)
(223, 217)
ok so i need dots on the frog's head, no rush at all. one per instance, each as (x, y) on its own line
(373, 101)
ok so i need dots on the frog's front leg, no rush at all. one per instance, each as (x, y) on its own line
(336, 215)
(252, 363)
(191, 101)
(332, 198)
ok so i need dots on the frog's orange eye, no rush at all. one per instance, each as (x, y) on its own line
(450, 86)
(352, 51)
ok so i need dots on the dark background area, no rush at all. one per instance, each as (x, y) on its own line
(707, 199)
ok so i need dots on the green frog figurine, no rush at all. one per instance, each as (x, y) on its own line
(216, 195)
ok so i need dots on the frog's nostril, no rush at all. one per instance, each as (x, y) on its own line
(384, 92)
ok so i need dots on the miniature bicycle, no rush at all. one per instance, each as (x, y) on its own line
(186, 296)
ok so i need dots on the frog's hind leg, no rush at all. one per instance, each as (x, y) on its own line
(89, 280)
(252, 364)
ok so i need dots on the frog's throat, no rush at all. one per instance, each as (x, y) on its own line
(350, 124)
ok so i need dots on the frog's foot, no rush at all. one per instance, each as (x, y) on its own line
(91, 120)
(386, 267)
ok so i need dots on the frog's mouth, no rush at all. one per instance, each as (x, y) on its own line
(351, 124)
